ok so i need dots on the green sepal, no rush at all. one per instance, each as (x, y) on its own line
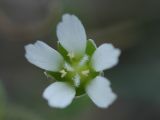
(91, 47)
(63, 52)
(80, 91)
(53, 75)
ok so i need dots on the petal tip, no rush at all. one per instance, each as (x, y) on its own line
(105, 57)
(107, 105)
(70, 31)
(59, 94)
(100, 92)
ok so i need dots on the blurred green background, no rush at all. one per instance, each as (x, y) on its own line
(131, 25)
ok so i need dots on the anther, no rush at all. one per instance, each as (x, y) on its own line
(63, 73)
(71, 55)
(85, 72)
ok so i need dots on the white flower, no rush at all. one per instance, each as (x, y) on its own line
(77, 66)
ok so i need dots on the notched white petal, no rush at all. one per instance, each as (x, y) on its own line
(100, 92)
(43, 56)
(105, 57)
(59, 94)
(71, 34)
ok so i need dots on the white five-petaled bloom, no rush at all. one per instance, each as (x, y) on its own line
(77, 65)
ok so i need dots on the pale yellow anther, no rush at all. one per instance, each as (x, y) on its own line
(71, 55)
(63, 73)
(85, 72)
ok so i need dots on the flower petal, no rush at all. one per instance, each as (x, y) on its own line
(105, 57)
(100, 92)
(71, 34)
(59, 94)
(43, 56)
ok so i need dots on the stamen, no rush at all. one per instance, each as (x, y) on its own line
(71, 55)
(83, 60)
(85, 72)
(68, 67)
(76, 80)
(63, 73)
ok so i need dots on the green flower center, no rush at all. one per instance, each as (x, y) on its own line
(76, 71)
